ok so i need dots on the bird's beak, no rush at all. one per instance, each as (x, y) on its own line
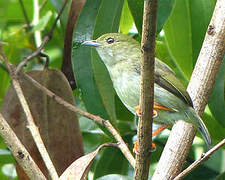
(91, 43)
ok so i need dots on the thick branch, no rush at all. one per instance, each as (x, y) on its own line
(147, 90)
(19, 152)
(200, 87)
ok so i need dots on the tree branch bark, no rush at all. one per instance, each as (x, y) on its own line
(19, 152)
(147, 90)
(31, 124)
(199, 88)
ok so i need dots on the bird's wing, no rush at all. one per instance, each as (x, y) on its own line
(166, 79)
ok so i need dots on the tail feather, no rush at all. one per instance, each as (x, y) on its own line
(200, 126)
(204, 132)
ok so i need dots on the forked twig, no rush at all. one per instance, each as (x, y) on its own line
(45, 40)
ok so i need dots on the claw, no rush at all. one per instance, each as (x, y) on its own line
(136, 148)
(155, 107)
(157, 131)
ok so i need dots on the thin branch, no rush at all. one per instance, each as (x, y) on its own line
(45, 40)
(43, 5)
(204, 157)
(31, 124)
(199, 88)
(19, 152)
(122, 145)
(25, 13)
(147, 90)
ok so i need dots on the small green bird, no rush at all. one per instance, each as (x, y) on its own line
(121, 55)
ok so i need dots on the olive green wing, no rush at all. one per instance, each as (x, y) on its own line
(167, 79)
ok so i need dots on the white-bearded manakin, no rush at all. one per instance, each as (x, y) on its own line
(121, 55)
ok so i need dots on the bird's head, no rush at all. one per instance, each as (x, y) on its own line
(114, 47)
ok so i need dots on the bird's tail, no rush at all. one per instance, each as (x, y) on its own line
(202, 128)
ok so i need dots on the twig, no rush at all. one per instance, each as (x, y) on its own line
(25, 14)
(200, 160)
(147, 90)
(31, 124)
(19, 152)
(122, 145)
(199, 88)
(45, 40)
(43, 4)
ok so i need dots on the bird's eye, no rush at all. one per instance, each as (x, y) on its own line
(110, 40)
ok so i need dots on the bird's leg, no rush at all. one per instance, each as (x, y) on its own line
(155, 108)
(157, 131)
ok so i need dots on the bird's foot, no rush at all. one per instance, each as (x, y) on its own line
(138, 112)
(136, 147)
(157, 131)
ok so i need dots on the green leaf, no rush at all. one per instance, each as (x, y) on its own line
(104, 85)
(58, 5)
(97, 17)
(136, 9)
(164, 10)
(178, 36)
(4, 81)
(107, 20)
(81, 60)
(126, 20)
(185, 30)
(200, 14)
(42, 22)
(221, 176)
(112, 161)
(108, 17)
(216, 131)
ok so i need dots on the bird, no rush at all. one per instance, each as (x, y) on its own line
(122, 55)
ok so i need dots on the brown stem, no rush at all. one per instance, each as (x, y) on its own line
(31, 124)
(147, 90)
(19, 152)
(25, 13)
(122, 145)
(199, 88)
(204, 157)
(75, 10)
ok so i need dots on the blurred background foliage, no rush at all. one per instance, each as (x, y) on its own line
(181, 27)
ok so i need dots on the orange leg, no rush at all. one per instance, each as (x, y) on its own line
(155, 107)
(157, 131)
(160, 129)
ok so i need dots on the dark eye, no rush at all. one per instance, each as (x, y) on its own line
(110, 40)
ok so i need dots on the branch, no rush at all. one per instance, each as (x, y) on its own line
(200, 87)
(122, 145)
(204, 157)
(147, 90)
(45, 40)
(25, 13)
(19, 152)
(31, 124)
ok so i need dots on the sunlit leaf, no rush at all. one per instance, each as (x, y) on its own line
(126, 20)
